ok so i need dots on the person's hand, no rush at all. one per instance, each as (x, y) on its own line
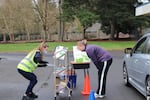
(50, 65)
(42, 65)
(44, 62)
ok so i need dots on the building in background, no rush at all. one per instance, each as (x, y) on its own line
(142, 8)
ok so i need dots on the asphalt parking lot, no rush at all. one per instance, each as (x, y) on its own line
(13, 85)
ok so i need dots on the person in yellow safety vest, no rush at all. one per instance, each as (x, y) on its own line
(28, 64)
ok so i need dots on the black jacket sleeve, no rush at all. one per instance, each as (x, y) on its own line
(38, 60)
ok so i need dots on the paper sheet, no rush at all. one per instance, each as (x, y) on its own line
(80, 56)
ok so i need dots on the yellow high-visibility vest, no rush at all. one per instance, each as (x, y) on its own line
(27, 64)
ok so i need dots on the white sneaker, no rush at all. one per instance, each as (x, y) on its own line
(101, 96)
(61, 91)
(98, 95)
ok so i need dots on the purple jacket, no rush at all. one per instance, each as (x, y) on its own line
(97, 54)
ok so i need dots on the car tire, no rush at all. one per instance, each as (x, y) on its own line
(148, 88)
(125, 75)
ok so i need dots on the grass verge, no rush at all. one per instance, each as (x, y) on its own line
(25, 47)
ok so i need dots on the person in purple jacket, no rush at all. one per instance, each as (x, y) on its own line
(102, 60)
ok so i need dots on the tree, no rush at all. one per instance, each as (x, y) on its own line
(17, 16)
(8, 19)
(80, 9)
(86, 18)
(115, 15)
(27, 16)
(22, 17)
(47, 14)
(119, 16)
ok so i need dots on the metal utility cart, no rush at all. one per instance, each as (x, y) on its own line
(61, 72)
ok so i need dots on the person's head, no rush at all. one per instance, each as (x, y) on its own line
(43, 47)
(81, 45)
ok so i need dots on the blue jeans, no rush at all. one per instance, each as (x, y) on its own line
(31, 77)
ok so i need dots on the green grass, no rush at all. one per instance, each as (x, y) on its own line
(25, 47)
(115, 45)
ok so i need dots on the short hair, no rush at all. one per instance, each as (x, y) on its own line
(84, 42)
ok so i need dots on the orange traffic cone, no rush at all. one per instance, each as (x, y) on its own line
(87, 87)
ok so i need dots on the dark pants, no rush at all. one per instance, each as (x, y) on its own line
(103, 68)
(31, 77)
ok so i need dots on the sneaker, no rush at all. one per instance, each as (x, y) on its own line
(61, 91)
(25, 97)
(98, 95)
(32, 95)
(101, 96)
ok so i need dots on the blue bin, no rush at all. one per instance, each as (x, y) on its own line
(72, 81)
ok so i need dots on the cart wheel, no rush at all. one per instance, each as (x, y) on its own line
(57, 93)
(71, 93)
(69, 98)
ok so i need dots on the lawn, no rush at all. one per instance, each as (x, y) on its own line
(25, 47)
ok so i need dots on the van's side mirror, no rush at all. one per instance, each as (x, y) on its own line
(128, 51)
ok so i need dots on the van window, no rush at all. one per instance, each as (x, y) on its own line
(139, 48)
(147, 46)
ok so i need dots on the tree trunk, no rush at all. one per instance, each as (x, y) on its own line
(61, 23)
(7, 28)
(137, 32)
(117, 35)
(45, 22)
(27, 31)
(49, 36)
(140, 32)
(43, 36)
(28, 36)
(63, 31)
(45, 32)
(4, 37)
(60, 30)
(67, 36)
(112, 30)
(84, 33)
(4, 34)
(11, 36)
